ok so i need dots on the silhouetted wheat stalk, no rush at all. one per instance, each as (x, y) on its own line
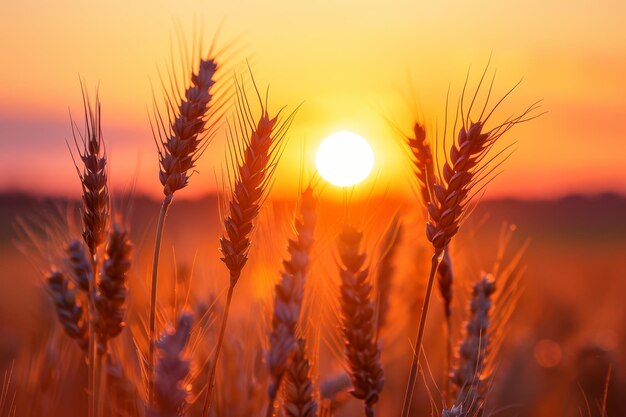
(179, 144)
(465, 173)
(254, 152)
(421, 154)
(95, 216)
(288, 295)
(359, 321)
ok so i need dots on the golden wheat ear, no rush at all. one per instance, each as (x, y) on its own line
(189, 128)
(289, 293)
(359, 321)
(112, 293)
(69, 310)
(421, 155)
(254, 150)
(92, 171)
(468, 168)
(299, 396)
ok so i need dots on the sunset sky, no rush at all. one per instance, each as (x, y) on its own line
(353, 65)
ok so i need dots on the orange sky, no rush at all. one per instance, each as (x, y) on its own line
(352, 64)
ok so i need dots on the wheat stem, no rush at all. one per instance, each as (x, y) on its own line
(92, 339)
(220, 340)
(153, 293)
(408, 396)
(448, 360)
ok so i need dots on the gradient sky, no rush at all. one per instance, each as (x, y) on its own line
(353, 64)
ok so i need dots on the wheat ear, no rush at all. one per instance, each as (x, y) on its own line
(254, 155)
(424, 168)
(288, 295)
(112, 287)
(179, 146)
(95, 215)
(69, 310)
(171, 371)
(468, 376)
(423, 162)
(93, 178)
(465, 173)
(358, 321)
(299, 399)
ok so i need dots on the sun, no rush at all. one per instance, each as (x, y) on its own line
(344, 159)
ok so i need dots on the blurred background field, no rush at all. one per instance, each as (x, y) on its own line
(568, 328)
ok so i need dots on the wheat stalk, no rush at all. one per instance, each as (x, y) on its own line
(254, 152)
(299, 399)
(179, 145)
(95, 214)
(424, 169)
(288, 295)
(358, 321)
(465, 173)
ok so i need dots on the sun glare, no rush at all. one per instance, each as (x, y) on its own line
(344, 159)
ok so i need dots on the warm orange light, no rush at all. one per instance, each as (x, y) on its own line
(344, 159)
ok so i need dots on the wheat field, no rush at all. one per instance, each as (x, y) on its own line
(328, 301)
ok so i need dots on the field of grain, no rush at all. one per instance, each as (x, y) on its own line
(258, 272)
(566, 331)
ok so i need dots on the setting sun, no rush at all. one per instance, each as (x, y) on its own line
(344, 159)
